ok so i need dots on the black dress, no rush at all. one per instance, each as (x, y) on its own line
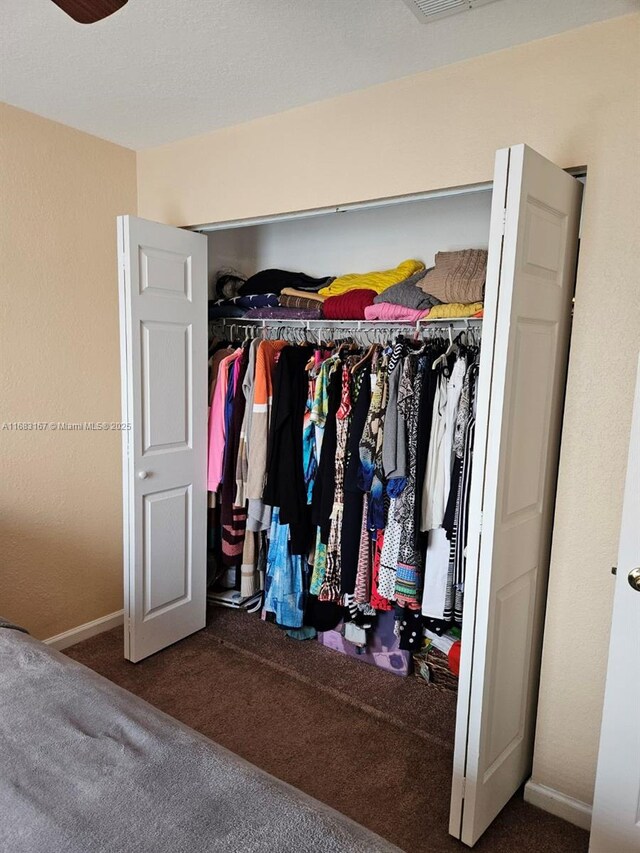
(285, 486)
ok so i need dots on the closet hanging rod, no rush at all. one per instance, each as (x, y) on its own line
(459, 323)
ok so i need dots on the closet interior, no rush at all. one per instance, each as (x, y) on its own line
(340, 512)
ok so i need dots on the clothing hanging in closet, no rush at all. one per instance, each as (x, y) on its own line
(344, 474)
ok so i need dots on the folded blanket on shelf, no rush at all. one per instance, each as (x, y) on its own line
(409, 293)
(225, 309)
(348, 306)
(283, 313)
(308, 294)
(273, 281)
(300, 299)
(394, 313)
(258, 300)
(454, 309)
(377, 281)
(457, 276)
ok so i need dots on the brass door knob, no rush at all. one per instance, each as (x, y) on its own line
(634, 579)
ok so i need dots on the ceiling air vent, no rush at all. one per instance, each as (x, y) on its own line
(432, 10)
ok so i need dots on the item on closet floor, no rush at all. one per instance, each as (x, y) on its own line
(410, 630)
(441, 675)
(457, 276)
(421, 667)
(382, 649)
(394, 313)
(235, 600)
(355, 634)
(282, 313)
(304, 633)
(273, 281)
(454, 658)
(347, 306)
(432, 666)
(454, 309)
(409, 293)
(377, 281)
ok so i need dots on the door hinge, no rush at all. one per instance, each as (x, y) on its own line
(504, 221)
(463, 790)
(480, 527)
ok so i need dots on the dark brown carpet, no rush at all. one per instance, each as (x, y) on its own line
(376, 747)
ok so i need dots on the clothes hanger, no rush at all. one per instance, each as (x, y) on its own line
(344, 345)
(445, 355)
(366, 357)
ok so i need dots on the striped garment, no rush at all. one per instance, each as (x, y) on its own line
(370, 473)
(376, 600)
(233, 537)
(410, 565)
(301, 300)
(363, 573)
(330, 589)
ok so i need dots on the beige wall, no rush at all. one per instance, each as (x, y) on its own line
(574, 98)
(60, 498)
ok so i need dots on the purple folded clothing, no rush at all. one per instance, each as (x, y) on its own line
(282, 314)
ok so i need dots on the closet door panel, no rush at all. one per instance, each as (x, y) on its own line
(510, 562)
(494, 260)
(163, 312)
(615, 823)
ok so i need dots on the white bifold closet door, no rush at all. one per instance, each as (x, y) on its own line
(529, 290)
(164, 347)
(615, 824)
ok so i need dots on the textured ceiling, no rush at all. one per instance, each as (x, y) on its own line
(161, 70)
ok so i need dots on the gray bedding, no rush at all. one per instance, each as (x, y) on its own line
(86, 767)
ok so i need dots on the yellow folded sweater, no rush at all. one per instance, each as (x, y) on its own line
(454, 309)
(377, 281)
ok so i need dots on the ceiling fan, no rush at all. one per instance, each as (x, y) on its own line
(89, 11)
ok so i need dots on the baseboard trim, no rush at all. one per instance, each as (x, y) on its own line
(558, 804)
(89, 629)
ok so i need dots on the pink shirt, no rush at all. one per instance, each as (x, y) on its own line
(216, 423)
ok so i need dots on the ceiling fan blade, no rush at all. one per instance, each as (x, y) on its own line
(89, 11)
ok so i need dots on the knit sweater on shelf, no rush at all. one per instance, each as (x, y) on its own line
(454, 309)
(377, 281)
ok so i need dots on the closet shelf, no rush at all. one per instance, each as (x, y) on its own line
(348, 325)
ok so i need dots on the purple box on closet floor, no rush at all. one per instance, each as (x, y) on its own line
(381, 650)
